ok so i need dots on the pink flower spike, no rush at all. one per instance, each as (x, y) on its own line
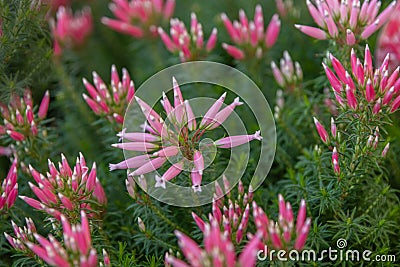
(198, 162)
(173, 171)
(150, 166)
(282, 206)
(233, 141)
(248, 257)
(277, 74)
(235, 52)
(395, 104)
(169, 44)
(133, 162)
(371, 29)
(332, 28)
(351, 99)
(385, 150)
(190, 116)
(169, 151)
(138, 136)
(334, 81)
(271, 35)
(92, 104)
(377, 106)
(335, 161)
(169, 8)
(368, 67)
(315, 14)
(196, 180)
(388, 96)
(323, 134)
(17, 136)
(312, 31)
(221, 116)
(212, 40)
(350, 38)
(212, 111)
(122, 27)
(136, 146)
(199, 221)
(338, 67)
(229, 27)
(302, 237)
(32, 202)
(301, 216)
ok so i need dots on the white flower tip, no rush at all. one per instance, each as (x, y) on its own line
(297, 26)
(196, 188)
(334, 150)
(115, 145)
(257, 135)
(237, 102)
(112, 166)
(160, 182)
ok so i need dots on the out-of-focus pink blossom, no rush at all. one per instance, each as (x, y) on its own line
(289, 75)
(111, 100)
(218, 250)
(284, 233)
(70, 31)
(139, 18)
(67, 191)
(9, 189)
(179, 137)
(378, 89)
(190, 45)
(249, 37)
(346, 22)
(389, 41)
(323, 134)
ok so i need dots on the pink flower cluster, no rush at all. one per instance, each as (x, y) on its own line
(139, 18)
(65, 191)
(289, 75)
(22, 235)
(180, 137)
(249, 37)
(70, 31)
(76, 249)
(284, 233)
(20, 123)
(389, 41)
(365, 88)
(110, 101)
(190, 46)
(218, 250)
(9, 188)
(346, 21)
(233, 218)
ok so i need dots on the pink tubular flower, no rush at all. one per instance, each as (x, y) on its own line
(139, 18)
(70, 31)
(289, 75)
(279, 234)
(335, 161)
(67, 191)
(249, 37)
(178, 137)
(378, 90)
(218, 250)
(323, 134)
(389, 41)
(345, 22)
(110, 101)
(190, 46)
(9, 188)
(76, 250)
